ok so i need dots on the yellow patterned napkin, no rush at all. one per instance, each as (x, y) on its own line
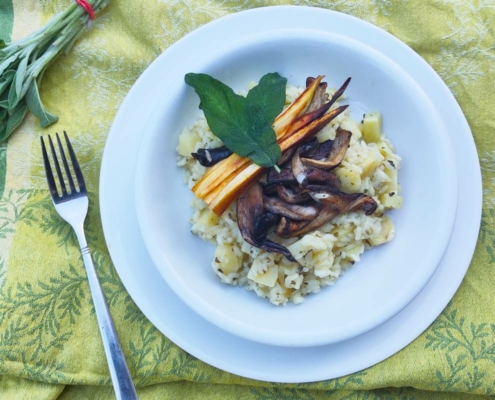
(49, 342)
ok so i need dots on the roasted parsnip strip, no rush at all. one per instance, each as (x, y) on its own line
(298, 107)
(235, 188)
(216, 174)
(311, 129)
(224, 182)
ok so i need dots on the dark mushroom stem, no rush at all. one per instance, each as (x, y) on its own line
(254, 223)
(209, 157)
(262, 224)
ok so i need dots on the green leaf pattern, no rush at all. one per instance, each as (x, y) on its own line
(47, 324)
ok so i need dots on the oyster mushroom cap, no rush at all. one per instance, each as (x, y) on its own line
(333, 203)
(337, 153)
(313, 175)
(322, 151)
(290, 196)
(293, 211)
(320, 97)
(309, 148)
(344, 202)
(284, 176)
(327, 178)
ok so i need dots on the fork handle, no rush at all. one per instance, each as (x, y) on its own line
(121, 377)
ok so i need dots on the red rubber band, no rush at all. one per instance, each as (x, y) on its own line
(84, 4)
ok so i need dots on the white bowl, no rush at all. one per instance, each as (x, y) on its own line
(388, 277)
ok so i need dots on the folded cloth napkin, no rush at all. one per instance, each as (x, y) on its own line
(49, 341)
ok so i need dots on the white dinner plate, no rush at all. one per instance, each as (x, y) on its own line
(387, 278)
(204, 340)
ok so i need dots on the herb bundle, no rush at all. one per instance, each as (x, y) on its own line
(23, 63)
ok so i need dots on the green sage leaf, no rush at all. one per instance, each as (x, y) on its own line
(6, 80)
(20, 75)
(35, 105)
(269, 95)
(9, 62)
(14, 119)
(3, 54)
(241, 124)
(12, 99)
(3, 128)
(4, 99)
(3, 113)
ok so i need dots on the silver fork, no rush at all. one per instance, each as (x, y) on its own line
(72, 206)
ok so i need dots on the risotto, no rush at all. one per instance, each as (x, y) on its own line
(322, 255)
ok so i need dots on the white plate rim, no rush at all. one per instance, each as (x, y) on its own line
(471, 216)
(258, 333)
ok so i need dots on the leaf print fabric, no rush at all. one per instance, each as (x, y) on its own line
(49, 342)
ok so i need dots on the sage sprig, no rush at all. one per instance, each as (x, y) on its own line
(243, 124)
(23, 63)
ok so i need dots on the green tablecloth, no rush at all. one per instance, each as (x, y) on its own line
(49, 342)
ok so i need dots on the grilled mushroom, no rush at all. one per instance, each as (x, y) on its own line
(337, 153)
(292, 197)
(209, 157)
(313, 175)
(293, 211)
(320, 97)
(309, 148)
(322, 151)
(333, 203)
(252, 222)
(285, 176)
(286, 226)
(299, 170)
(346, 202)
(322, 177)
(287, 156)
(335, 96)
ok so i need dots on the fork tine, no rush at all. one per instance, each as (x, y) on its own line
(75, 164)
(66, 165)
(57, 166)
(48, 170)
